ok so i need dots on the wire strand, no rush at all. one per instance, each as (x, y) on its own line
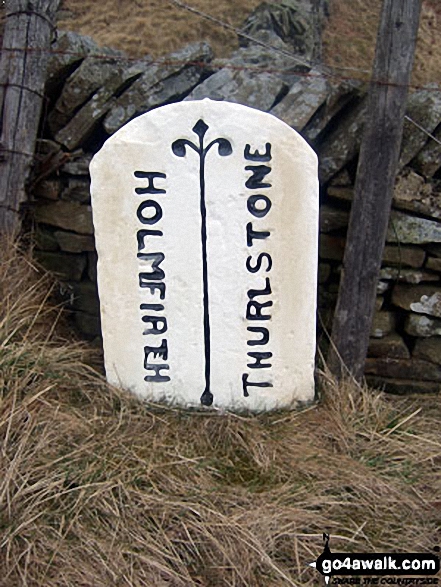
(14, 152)
(433, 137)
(34, 13)
(240, 33)
(222, 64)
(316, 69)
(23, 87)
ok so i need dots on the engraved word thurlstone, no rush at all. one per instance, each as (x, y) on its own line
(206, 227)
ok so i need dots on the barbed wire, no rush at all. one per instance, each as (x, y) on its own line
(33, 13)
(319, 69)
(204, 64)
(23, 87)
(243, 34)
(219, 64)
(421, 128)
(316, 69)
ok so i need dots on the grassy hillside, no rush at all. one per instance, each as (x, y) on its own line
(158, 26)
(97, 489)
(350, 36)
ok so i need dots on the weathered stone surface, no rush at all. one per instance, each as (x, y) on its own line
(404, 256)
(78, 163)
(416, 297)
(79, 128)
(414, 194)
(324, 271)
(391, 346)
(169, 90)
(77, 190)
(82, 84)
(345, 193)
(189, 226)
(379, 301)
(407, 229)
(407, 275)
(382, 287)
(48, 189)
(88, 324)
(424, 107)
(433, 263)
(331, 247)
(45, 240)
(326, 299)
(332, 219)
(167, 80)
(341, 145)
(83, 296)
(74, 243)
(65, 266)
(403, 369)
(428, 349)
(342, 179)
(260, 57)
(68, 215)
(67, 52)
(403, 386)
(297, 22)
(428, 160)
(47, 161)
(92, 259)
(341, 95)
(258, 90)
(253, 86)
(382, 324)
(304, 98)
(407, 185)
(422, 326)
(45, 147)
(434, 249)
(430, 304)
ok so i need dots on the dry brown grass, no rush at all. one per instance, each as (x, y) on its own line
(351, 32)
(156, 27)
(97, 489)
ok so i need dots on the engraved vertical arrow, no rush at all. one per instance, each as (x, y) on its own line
(179, 148)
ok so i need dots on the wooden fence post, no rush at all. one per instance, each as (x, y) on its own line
(24, 56)
(374, 185)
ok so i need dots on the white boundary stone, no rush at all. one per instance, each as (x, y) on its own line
(120, 214)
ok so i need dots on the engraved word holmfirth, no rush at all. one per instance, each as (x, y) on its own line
(205, 216)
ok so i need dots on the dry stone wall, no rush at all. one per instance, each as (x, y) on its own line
(92, 92)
